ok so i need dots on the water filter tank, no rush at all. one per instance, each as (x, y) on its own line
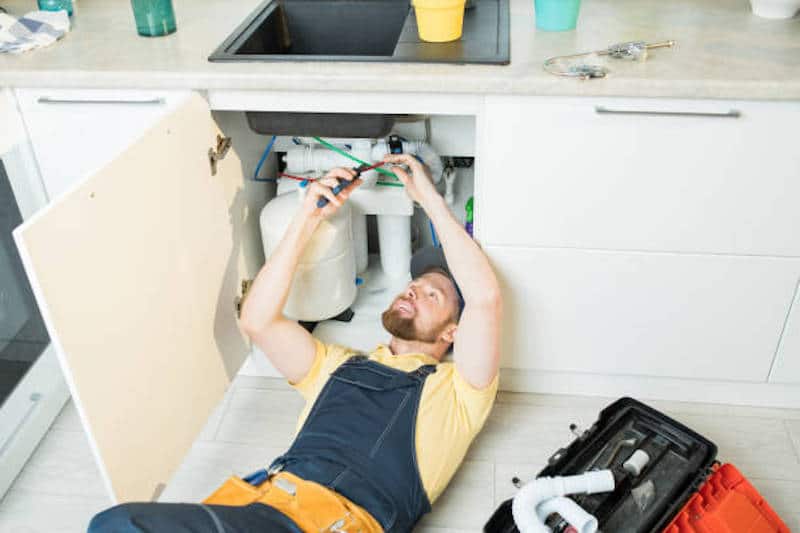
(323, 285)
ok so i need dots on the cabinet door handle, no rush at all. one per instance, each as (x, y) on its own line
(732, 113)
(51, 100)
(34, 399)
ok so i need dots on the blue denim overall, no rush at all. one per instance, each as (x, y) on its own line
(359, 440)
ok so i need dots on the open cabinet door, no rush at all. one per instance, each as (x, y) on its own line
(136, 272)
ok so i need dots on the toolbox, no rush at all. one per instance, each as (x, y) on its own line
(681, 489)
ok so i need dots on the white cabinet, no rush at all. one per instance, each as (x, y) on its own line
(136, 271)
(627, 174)
(645, 237)
(74, 133)
(28, 403)
(786, 368)
(668, 315)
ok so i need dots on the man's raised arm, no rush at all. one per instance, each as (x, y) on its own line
(288, 346)
(476, 348)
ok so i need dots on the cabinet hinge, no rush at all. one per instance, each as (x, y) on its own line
(214, 155)
(246, 283)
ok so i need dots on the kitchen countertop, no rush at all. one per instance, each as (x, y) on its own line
(722, 51)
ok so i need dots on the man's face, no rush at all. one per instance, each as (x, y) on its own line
(427, 306)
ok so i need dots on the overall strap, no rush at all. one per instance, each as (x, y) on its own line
(359, 440)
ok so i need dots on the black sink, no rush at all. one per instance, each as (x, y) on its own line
(362, 30)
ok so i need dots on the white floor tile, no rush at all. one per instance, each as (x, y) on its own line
(62, 464)
(209, 464)
(258, 382)
(528, 433)
(759, 447)
(25, 511)
(468, 501)
(60, 488)
(505, 472)
(260, 417)
(793, 427)
(209, 431)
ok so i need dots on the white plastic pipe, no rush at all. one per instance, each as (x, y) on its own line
(424, 150)
(537, 491)
(360, 239)
(314, 158)
(636, 462)
(577, 516)
(432, 159)
(394, 239)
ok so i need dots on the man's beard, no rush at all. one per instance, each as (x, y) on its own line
(404, 328)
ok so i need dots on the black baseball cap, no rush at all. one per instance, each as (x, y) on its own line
(431, 259)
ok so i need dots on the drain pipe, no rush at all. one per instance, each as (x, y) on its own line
(577, 516)
(539, 490)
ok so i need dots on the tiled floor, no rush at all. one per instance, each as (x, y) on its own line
(60, 488)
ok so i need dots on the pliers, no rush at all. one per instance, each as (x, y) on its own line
(322, 201)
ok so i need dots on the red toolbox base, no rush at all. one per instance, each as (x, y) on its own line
(727, 503)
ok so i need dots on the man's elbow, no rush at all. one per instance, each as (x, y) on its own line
(248, 328)
(250, 325)
(490, 299)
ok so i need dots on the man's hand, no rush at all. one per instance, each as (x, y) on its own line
(419, 185)
(322, 188)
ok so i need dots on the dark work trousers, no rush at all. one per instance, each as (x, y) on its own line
(191, 518)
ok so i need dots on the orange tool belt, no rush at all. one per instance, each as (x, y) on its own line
(313, 507)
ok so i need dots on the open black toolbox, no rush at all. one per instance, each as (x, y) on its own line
(680, 462)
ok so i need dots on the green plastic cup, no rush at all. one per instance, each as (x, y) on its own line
(557, 15)
(154, 17)
(56, 5)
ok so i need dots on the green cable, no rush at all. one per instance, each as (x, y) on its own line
(389, 183)
(348, 155)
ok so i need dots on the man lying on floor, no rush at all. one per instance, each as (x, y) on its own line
(383, 433)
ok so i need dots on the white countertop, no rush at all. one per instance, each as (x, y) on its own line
(723, 51)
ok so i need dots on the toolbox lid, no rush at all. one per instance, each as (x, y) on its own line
(680, 461)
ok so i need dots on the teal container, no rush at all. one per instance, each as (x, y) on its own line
(56, 5)
(154, 17)
(557, 15)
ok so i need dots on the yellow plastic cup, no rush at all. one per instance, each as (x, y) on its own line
(439, 21)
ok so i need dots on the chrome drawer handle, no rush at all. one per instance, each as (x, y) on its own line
(51, 100)
(733, 113)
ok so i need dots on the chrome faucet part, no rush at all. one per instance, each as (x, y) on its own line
(632, 50)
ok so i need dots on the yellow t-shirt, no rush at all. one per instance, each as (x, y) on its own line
(451, 411)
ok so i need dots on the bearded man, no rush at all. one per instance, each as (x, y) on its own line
(383, 433)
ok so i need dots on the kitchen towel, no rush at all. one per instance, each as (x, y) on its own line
(34, 30)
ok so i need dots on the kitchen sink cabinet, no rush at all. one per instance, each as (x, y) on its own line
(136, 270)
(617, 258)
(74, 133)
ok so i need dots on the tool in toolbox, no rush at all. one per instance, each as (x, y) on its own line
(343, 184)
(666, 479)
